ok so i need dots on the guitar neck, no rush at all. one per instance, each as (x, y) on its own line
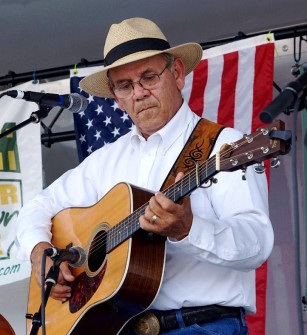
(191, 181)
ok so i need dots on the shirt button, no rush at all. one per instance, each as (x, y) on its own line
(198, 241)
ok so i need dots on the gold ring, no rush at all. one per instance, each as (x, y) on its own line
(153, 218)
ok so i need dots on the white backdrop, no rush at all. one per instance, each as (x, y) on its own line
(20, 179)
(14, 273)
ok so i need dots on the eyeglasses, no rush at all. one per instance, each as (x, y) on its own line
(148, 82)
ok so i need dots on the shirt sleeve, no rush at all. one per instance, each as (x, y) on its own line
(231, 225)
(75, 188)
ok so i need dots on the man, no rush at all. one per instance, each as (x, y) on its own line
(216, 238)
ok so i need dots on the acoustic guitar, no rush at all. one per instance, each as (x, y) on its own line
(124, 264)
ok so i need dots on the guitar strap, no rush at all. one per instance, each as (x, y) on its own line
(197, 149)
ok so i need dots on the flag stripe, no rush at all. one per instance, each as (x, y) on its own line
(213, 88)
(228, 89)
(263, 84)
(245, 84)
(200, 76)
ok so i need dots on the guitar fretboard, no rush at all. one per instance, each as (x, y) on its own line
(191, 181)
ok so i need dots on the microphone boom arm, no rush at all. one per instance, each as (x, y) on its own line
(35, 117)
(294, 91)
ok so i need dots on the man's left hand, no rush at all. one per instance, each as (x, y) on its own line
(167, 218)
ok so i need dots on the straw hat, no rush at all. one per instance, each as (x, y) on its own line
(131, 40)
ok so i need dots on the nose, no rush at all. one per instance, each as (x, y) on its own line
(139, 91)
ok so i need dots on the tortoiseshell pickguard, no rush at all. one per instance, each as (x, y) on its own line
(83, 288)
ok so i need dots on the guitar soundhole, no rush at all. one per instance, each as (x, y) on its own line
(97, 251)
(86, 283)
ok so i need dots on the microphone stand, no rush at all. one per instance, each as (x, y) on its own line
(35, 117)
(38, 319)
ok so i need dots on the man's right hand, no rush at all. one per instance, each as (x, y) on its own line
(61, 291)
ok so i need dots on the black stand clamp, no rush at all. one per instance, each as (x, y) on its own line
(35, 117)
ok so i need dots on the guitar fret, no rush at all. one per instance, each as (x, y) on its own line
(181, 188)
(125, 233)
(124, 229)
(109, 242)
(115, 235)
(174, 193)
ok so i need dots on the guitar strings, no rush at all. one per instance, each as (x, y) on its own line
(115, 232)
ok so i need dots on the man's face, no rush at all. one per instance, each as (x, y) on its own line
(151, 109)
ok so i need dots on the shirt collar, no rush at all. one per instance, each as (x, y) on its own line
(170, 132)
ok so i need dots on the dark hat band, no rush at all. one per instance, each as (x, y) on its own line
(133, 46)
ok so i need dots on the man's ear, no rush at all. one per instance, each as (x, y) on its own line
(179, 72)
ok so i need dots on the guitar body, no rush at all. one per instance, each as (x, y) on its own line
(112, 287)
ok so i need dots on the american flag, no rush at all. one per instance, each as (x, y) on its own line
(101, 123)
(231, 86)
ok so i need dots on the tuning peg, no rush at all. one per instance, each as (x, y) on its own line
(260, 168)
(249, 139)
(275, 162)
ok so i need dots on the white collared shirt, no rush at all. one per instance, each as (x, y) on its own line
(231, 233)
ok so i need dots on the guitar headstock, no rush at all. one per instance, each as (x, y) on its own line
(265, 143)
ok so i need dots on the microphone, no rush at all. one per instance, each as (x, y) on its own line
(286, 98)
(75, 256)
(74, 102)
